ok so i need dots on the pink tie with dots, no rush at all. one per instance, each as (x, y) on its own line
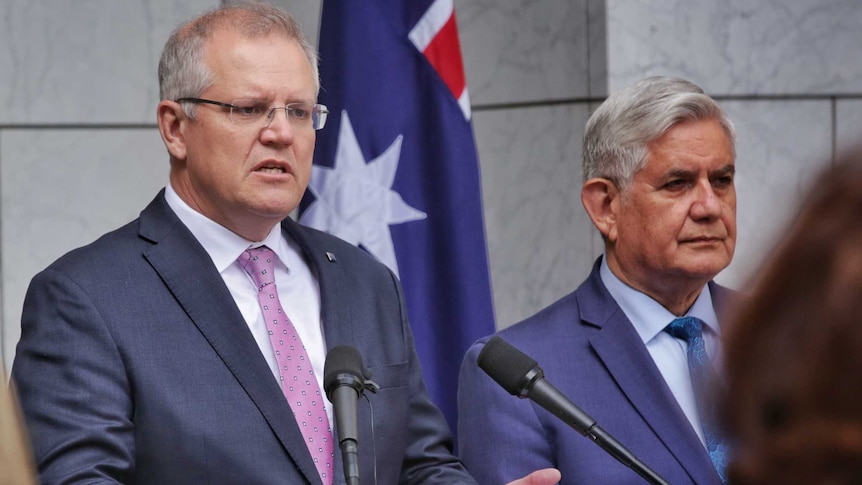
(294, 368)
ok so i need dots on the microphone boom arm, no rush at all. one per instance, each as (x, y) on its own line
(548, 397)
(521, 376)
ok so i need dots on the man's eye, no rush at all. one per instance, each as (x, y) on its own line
(300, 112)
(675, 184)
(249, 110)
(723, 182)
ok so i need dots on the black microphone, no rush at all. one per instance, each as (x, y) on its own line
(521, 376)
(344, 381)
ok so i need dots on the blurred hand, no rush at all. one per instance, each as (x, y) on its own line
(545, 476)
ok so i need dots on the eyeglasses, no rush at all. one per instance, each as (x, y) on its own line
(259, 112)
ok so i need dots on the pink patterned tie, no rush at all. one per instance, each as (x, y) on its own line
(301, 389)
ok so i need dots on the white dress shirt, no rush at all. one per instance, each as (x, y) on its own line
(298, 289)
(649, 319)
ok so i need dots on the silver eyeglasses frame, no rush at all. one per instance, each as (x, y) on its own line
(260, 110)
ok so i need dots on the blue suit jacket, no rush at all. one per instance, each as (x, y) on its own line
(136, 366)
(591, 352)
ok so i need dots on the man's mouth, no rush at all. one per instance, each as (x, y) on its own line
(702, 239)
(271, 170)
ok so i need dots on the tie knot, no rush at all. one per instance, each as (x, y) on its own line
(259, 263)
(685, 328)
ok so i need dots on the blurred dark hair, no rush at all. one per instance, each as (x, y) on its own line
(794, 350)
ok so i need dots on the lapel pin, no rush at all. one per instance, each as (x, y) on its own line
(330, 257)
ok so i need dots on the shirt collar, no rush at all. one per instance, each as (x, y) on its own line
(223, 245)
(648, 316)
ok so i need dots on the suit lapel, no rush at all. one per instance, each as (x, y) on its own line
(335, 303)
(189, 274)
(624, 355)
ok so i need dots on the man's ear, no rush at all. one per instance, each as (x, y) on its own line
(173, 123)
(601, 199)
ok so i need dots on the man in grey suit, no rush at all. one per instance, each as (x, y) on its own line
(160, 353)
(659, 165)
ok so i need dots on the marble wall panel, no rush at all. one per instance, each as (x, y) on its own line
(781, 145)
(521, 51)
(540, 241)
(69, 62)
(61, 189)
(597, 52)
(739, 46)
(848, 124)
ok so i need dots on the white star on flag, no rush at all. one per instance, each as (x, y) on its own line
(354, 200)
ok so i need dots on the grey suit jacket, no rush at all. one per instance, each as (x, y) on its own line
(136, 366)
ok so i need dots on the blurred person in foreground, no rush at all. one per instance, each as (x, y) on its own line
(189, 345)
(16, 462)
(658, 165)
(794, 351)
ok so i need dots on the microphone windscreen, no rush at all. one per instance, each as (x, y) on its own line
(506, 364)
(342, 359)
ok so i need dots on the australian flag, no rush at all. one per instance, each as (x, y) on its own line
(396, 170)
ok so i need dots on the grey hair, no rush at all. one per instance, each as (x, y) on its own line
(182, 70)
(619, 132)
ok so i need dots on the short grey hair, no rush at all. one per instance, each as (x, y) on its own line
(619, 132)
(182, 70)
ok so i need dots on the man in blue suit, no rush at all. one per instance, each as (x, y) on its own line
(658, 165)
(146, 356)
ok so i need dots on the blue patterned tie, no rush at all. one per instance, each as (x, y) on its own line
(702, 377)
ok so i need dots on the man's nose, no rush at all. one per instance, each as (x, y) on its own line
(707, 202)
(278, 128)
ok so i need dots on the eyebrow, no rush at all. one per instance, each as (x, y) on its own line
(723, 171)
(678, 173)
(683, 173)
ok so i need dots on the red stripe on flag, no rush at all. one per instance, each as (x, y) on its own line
(444, 53)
